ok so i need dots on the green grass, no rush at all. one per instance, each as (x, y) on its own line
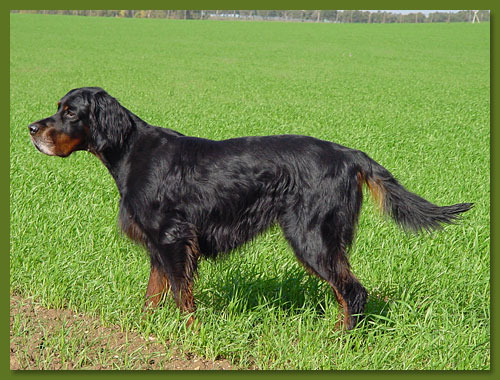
(414, 97)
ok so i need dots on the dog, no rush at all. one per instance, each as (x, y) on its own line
(187, 197)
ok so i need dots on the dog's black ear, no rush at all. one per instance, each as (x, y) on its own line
(110, 123)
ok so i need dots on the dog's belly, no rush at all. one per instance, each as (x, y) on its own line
(221, 235)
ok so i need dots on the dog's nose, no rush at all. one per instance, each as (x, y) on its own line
(34, 128)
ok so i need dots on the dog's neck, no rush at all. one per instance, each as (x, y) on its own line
(115, 160)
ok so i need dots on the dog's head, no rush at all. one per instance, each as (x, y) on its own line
(86, 119)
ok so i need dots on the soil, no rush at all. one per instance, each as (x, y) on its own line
(36, 343)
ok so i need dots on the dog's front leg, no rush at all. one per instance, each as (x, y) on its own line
(158, 287)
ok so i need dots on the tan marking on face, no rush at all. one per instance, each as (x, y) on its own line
(65, 145)
(44, 143)
(43, 146)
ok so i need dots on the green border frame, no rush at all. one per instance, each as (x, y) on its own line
(256, 4)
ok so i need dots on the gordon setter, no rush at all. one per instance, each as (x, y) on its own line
(185, 197)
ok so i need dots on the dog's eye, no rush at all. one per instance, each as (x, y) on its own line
(70, 114)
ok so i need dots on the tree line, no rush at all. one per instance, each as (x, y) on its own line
(335, 16)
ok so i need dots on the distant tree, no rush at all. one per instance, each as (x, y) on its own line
(438, 16)
(484, 15)
(351, 16)
(329, 15)
(359, 16)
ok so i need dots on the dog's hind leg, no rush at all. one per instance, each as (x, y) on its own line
(320, 237)
(351, 296)
(330, 263)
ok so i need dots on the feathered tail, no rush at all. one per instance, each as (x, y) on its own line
(409, 210)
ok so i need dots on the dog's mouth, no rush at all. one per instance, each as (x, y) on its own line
(43, 146)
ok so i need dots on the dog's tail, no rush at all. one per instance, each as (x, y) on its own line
(409, 210)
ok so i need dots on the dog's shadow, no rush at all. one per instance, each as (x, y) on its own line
(292, 293)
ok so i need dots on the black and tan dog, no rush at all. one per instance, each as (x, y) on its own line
(185, 197)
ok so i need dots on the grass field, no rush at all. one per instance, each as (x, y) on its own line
(414, 97)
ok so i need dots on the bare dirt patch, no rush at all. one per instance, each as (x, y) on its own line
(52, 339)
